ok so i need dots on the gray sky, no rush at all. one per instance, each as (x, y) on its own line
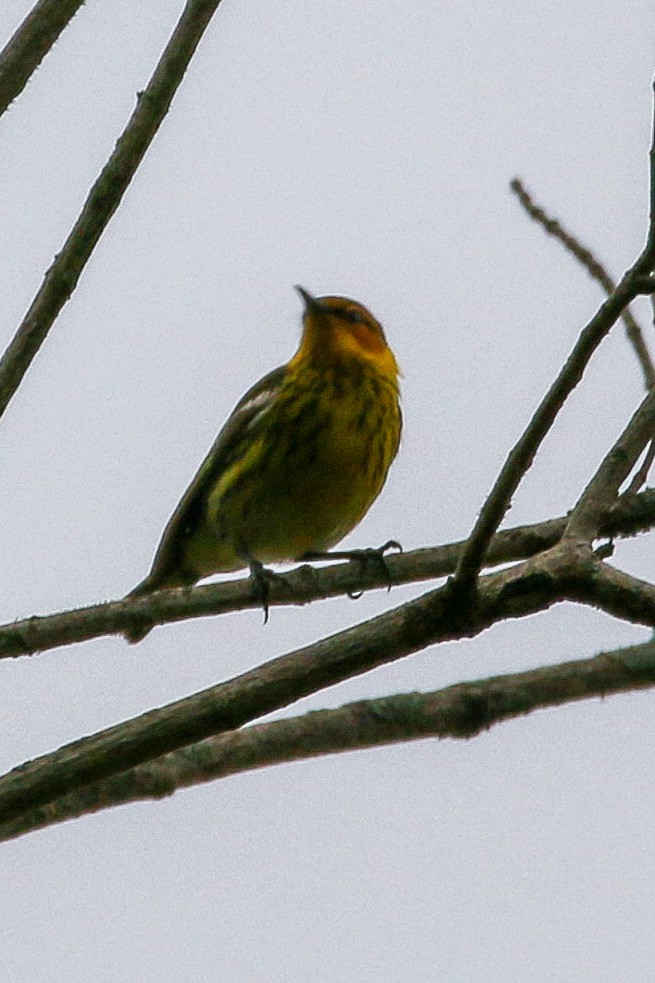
(359, 148)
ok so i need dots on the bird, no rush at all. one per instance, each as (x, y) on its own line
(298, 463)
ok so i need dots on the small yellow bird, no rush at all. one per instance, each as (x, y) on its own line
(300, 460)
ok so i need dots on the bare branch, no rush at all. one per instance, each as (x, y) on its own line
(641, 475)
(595, 269)
(603, 488)
(566, 572)
(522, 454)
(615, 592)
(31, 42)
(434, 617)
(459, 711)
(646, 284)
(105, 196)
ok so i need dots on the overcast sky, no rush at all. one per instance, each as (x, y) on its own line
(362, 148)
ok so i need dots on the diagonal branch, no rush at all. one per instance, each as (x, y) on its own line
(522, 454)
(603, 489)
(641, 476)
(459, 711)
(595, 269)
(105, 196)
(30, 43)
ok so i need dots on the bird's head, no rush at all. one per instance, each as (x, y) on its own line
(341, 327)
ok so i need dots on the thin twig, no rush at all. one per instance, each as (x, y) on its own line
(595, 269)
(37, 635)
(105, 196)
(30, 43)
(460, 711)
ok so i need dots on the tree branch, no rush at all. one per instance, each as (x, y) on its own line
(31, 42)
(614, 592)
(641, 476)
(522, 454)
(603, 488)
(34, 635)
(105, 196)
(434, 617)
(460, 711)
(646, 284)
(567, 572)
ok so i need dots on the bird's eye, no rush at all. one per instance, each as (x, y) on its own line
(353, 315)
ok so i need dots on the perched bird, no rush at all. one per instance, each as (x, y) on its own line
(298, 463)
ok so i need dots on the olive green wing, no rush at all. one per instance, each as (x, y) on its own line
(168, 568)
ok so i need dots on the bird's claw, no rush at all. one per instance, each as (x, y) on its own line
(261, 577)
(374, 556)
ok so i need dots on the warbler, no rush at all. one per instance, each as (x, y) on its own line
(300, 460)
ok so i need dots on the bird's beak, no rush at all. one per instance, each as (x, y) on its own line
(310, 302)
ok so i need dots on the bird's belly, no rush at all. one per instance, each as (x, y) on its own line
(306, 493)
(310, 506)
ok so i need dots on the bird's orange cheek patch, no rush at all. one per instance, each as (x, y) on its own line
(369, 340)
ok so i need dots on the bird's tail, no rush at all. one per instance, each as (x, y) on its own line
(139, 629)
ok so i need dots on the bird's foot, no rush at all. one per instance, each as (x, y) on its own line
(372, 557)
(261, 578)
